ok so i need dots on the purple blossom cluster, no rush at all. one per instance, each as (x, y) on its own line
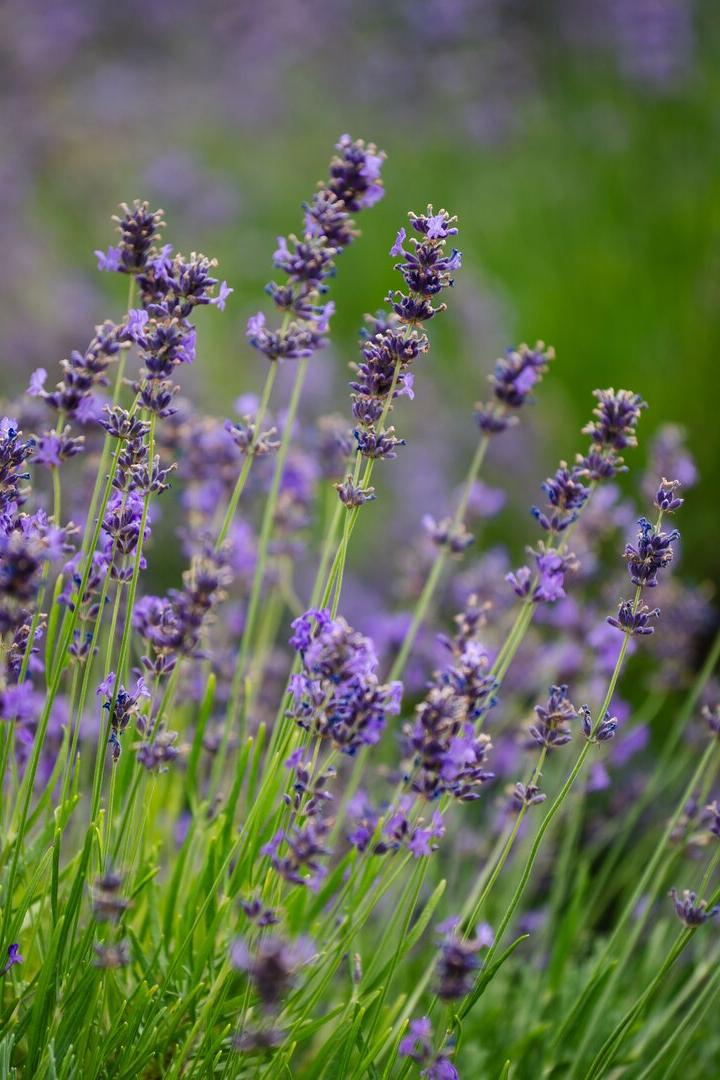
(418, 1045)
(337, 694)
(513, 381)
(611, 429)
(309, 261)
(122, 707)
(171, 626)
(28, 543)
(82, 374)
(448, 755)
(397, 828)
(652, 553)
(551, 728)
(394, 340)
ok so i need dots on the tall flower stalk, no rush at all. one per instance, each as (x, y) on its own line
(353, 185)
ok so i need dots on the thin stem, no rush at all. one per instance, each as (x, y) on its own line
(433, 577)
(249, 457)
(559, 799)
(266, 529)
(593, 1012)
(28, 781)
(604, 1055)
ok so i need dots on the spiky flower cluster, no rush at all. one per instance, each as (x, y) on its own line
(27, 543)
(337, 695)
(171, 287)
(395, 339)
(122, 707)
(690, 910)
(611, 429)
(513, 381)
(14, 452)
(418, 1045)
(449, 756)
(652, 552)
(309, 261)
(552, 726)
(457, 964)
(272, 964)
(172, 625)
(139, 228)
(82, 373)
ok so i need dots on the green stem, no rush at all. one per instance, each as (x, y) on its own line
(266, 529)
(593, 1012)
(604, 1055)
(249, 457)
(28, 782)
(433, 577)
(559, 800)
(124, 651)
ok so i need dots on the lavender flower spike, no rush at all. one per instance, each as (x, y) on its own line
(690, 910)
(309, 261)
(513, 380)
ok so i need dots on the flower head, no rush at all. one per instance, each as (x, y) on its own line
(690, 910)
(513, 380)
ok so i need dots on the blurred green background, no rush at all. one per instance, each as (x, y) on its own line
(577, 141)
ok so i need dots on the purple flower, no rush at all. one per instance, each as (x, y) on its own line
(139, 229)
(446, 534)
(355, 173)
(634, 619)
(615, 419)
(652, 552)
(397, 249)
(52, 448)
(418, 1045)
(223, 292)
(566, 497)
(272, 964)
(552, 727)
(106, 686)
(486, 501)
(135, 323)
(157, 752)
(14, 958)
(449, 756)
(457, 964)
(551, 569)
(37, 382)
(690, 910)
(512, 381)
(418, 1042)
(665, 498)
(337, 694)
(309, 261)
(122, 707)
(612, 428)
(110, 259)
(669, 456)
(421, 841)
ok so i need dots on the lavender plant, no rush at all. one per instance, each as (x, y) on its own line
(239, 836)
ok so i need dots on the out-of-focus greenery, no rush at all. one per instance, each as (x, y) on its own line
(592, 220)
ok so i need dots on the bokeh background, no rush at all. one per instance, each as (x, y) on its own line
(577, 140)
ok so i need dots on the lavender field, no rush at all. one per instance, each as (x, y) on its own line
(359, 707)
